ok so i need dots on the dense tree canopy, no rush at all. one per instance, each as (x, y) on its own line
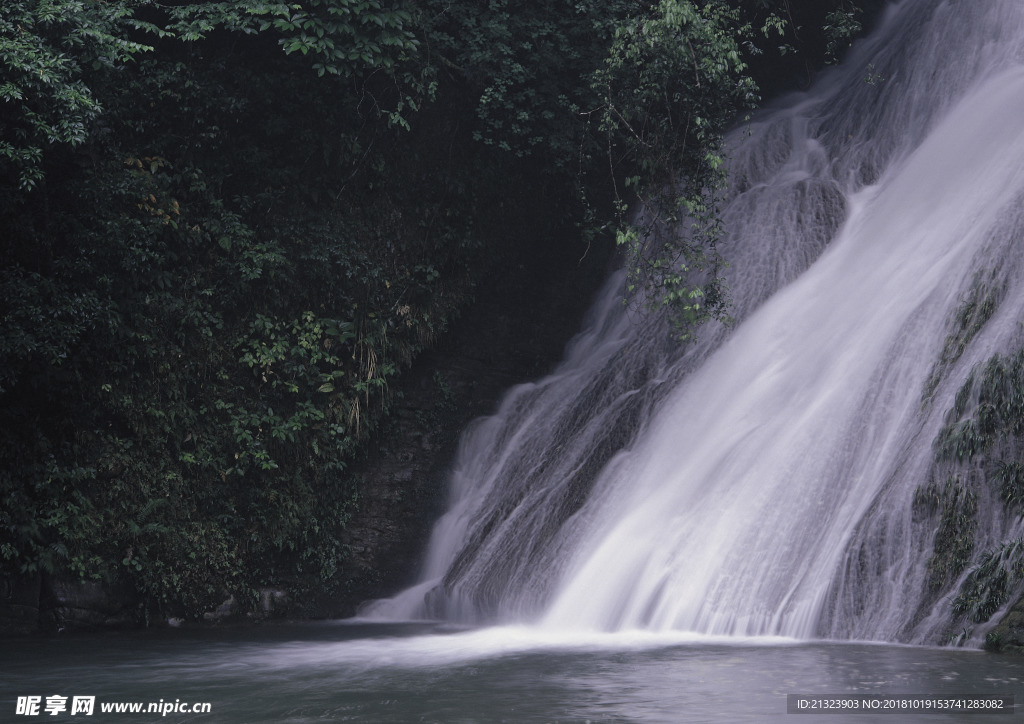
(228, 226)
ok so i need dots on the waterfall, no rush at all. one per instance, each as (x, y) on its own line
(761, 479)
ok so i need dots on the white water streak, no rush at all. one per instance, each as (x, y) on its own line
(759, 466)
(725, 490)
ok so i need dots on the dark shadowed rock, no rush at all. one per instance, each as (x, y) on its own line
(67, 603)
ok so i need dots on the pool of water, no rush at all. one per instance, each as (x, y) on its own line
(361, 672)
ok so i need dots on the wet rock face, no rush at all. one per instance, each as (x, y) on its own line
(225, 610)
(67, 604)
(19, 605)
(274, 603)
(53, 603)
(1008, 634)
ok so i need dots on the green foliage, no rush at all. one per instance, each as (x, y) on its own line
(370, 42)
(1011, 483)
(673, 81)
(957, 507)
(44, 101)
(345, 37)
(529, 71)
(635, 97)
(841, 27)
(975, 309)
(960, 442)
(1001, 396)
(985, 422)
(998, 415)
(215, 403)
(201, 340)
(988, 585)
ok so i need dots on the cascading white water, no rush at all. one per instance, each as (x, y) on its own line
(760, 481)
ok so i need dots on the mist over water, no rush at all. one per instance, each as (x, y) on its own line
(759, 482)
(418, 673)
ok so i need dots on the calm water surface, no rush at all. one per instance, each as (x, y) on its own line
(418, 673)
